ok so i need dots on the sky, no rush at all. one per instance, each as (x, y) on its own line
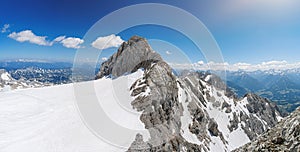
(246, 31)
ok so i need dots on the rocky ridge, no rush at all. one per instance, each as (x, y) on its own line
(187, 113)
(285, 136)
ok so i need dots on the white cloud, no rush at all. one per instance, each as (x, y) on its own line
(107, 42)
(200, 62)
(264, 66)
(59, 39)
(272, 63)
(5, 28)
(168, 52)
(104, 58)
(29, 36)
(70, 42)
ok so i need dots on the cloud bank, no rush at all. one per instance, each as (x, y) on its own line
(29, 36)
(264, 66)
(107, 42)
(70, 42)
(59, 39)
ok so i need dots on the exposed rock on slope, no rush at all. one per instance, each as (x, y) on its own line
(285, 136)
(190, 113)
(226, 121)
(262, 108)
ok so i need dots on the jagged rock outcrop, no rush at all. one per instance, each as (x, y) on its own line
(131, 55)
(193, 112)
(161, 109)
(217, 82)
(139, 144)
(285, 136)
(262, 108)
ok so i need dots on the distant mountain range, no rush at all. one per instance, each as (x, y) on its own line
(18, 74)
(23, 64)
(282, 87)
(7, 82)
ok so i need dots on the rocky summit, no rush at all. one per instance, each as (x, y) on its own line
(130, 54)
(192, 112)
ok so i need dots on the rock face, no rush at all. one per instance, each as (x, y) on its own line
(262, 108)
(135, 52)
(193, 112)
(285, 136)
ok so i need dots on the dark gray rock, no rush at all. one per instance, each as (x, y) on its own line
(234, 122)
(263, 108)
(213, 127)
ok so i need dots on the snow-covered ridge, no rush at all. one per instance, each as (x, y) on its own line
(46, 119)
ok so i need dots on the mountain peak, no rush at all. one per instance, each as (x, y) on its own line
(134, 54)
(188, 113)
(137, 38)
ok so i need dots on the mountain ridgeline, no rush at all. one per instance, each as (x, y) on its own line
(191, 112)
(281, 86)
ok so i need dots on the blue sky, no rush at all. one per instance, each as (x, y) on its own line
(246, 31)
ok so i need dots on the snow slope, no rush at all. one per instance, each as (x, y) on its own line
(46, 119)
